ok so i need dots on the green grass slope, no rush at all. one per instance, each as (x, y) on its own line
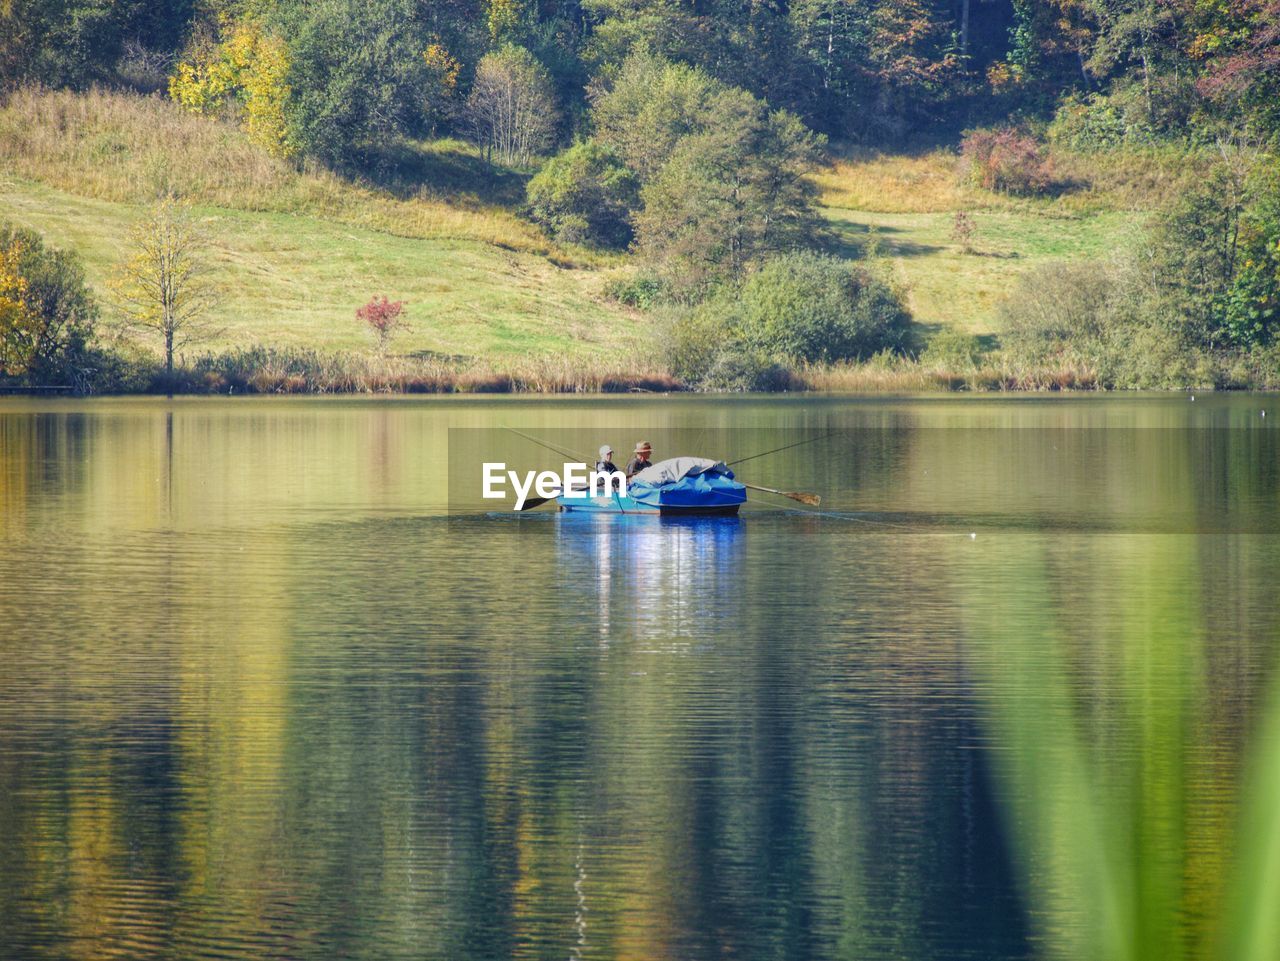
(296, 252)
(905, 207)
(947, 287)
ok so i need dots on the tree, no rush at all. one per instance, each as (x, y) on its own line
(511, 110)
(357, 77)
(1217, 254)
(46, 312)
(729, 195)
(648, 107)
(164, 286)
(1241, 45)
(585, 195)
(74, 43)
(18, 322)
(249, 67)
(384, 317)
(441, 87)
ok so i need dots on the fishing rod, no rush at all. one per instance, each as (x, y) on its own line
(807, 440)
(550, 447)
(533, 502)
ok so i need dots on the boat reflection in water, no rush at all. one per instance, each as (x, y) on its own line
(653, 577)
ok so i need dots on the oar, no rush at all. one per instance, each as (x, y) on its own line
(532, 502)
(804, 497)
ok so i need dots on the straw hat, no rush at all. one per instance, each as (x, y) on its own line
(643, 447)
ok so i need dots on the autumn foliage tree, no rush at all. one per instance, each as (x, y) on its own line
(46, 312)
(164, 286)
(249, 68)
(384, 317)
(17, 320)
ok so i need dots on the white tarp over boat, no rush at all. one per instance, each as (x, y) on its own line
(676, 469)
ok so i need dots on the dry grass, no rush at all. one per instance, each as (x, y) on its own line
(906, 376)
(271, 371)
(1141, 180)
(125, 148)
(881, 183)
(934, 182)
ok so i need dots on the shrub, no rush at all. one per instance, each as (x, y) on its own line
(384, 317)
(963, 229)
(812, 307)
(952, 350)
(640, 290)
(1096, 122)
(746, 369)
(1099, 319)
(693, 339)
(585, 196)
(703, 350)
(1006, 159)
(123, 368)
(798, 309)
(47, 314)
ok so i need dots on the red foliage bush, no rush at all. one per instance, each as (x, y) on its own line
(1007, 159)
(383, 317)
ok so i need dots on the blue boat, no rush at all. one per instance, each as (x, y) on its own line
(679, 486)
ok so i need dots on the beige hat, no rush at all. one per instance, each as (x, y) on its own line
(643, 446)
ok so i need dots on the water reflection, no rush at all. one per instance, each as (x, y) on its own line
(664, 578)
(260, 697)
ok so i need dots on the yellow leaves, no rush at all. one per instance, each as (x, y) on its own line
(1001, 75)
(505, 18)
(20, 325)
(250, 67)
(443, 67)
(13, 286)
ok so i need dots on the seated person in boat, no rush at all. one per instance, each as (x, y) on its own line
(605, 464)
(641, 459)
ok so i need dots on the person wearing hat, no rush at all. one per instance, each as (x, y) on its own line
(605, 464)
(641, 459)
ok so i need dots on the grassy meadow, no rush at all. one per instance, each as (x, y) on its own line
(903, 208)
(297, 250)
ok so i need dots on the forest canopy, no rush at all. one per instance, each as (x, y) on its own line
(335, 79)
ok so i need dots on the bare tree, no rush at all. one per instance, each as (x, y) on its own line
(164, 285)
(511, 109)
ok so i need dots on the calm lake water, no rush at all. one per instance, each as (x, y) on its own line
(1011, 692)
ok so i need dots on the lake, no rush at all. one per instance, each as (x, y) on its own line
(272, 685)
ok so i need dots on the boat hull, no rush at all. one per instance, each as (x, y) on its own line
(719, 505)
(696, 491)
